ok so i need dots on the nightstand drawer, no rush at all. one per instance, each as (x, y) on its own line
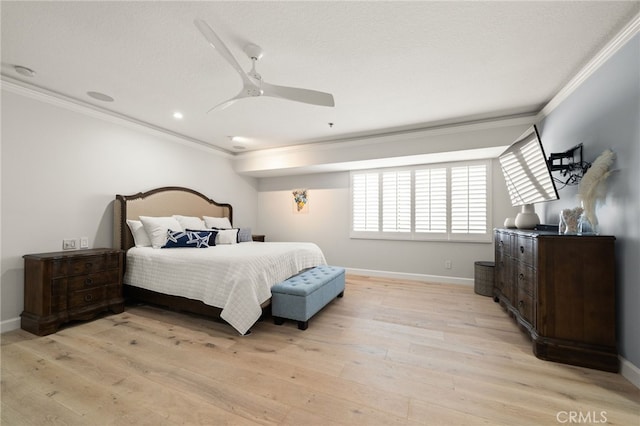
(85, 265)
(89, 281)
(86, 298)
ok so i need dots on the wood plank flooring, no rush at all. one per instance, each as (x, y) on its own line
(390, 352)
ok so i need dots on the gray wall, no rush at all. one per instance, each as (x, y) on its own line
(604, 112)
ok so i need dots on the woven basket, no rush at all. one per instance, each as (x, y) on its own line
(484, 278)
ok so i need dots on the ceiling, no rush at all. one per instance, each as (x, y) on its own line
(390, 66)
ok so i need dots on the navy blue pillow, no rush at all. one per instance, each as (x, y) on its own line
(213, 231)
(188, 238)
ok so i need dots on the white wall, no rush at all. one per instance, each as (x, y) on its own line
(327, 224)
(61, 170)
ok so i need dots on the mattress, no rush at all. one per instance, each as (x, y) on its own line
(234, 277)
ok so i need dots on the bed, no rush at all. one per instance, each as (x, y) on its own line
(231, 282)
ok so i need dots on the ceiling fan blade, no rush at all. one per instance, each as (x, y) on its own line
(223, 105)
(300, 95)
(219, 45)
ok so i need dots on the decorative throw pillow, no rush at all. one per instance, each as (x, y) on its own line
(212, 238)
(157, 228)
(227, 236)
(192, 239)
(140, 237)
(244, 235)
(217, 222)
(190, 222)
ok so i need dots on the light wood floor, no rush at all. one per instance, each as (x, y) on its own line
(389, 352)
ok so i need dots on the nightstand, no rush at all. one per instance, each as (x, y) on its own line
(258, 238)
(70, 285)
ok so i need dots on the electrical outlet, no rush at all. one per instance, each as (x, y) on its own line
(68, 244)
(447, 264)
(84, 242)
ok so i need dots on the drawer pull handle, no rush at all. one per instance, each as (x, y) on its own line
(88, 298)
(88, 281)
(521, 249)
(521, 303)
(501, 243)
(88, 265)
(521, 276)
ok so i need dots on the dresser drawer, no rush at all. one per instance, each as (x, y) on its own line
(525, 278)
(524, 250)
(503, 243)
(86, 264)
(525, 307)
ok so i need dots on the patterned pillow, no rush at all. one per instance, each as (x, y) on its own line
(193, 239)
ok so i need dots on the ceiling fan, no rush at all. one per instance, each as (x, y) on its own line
(252, 83)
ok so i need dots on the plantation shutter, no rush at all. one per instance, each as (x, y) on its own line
(365, 198)
(396, 201)
(469, 199)
(431, 200)
(439, 202)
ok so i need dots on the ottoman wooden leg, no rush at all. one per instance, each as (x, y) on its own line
(278, 320)
(302, 325)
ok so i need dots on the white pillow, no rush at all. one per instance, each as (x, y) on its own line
(227, 236)
(190, 222)
(217, 222)
(140, 237)
(157, 228)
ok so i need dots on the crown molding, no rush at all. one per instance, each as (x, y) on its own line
(72, 104)
(393, 137)
(610, 49)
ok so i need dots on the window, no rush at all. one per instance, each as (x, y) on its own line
(429, 202)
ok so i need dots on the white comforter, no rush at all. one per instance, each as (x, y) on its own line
(235, 277)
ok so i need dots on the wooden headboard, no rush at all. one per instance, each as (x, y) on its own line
(164, 201)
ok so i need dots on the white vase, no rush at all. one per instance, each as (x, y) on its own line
(510, 222)
(527, 218)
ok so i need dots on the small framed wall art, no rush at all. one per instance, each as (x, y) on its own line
(300, 201)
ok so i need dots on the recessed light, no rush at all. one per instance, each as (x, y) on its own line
(100, 96)
(177, 115)
(240, 139)
(27, 72)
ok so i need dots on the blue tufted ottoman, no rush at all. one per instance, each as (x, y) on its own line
(302, 296)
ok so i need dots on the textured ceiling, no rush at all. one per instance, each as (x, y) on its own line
(390, 65)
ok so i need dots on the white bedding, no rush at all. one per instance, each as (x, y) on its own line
(234, 277)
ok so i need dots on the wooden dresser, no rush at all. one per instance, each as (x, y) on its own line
(561, 290)
(70, 285)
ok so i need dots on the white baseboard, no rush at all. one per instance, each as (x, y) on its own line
(630, 372)
(10, 325)
(411, 277)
